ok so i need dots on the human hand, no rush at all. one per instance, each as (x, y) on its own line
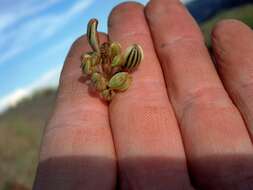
(190, 133)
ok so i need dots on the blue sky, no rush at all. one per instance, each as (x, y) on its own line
(35, 36)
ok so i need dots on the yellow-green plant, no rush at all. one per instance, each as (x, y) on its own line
(107, 67)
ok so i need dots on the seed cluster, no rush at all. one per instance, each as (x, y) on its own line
(107, 67)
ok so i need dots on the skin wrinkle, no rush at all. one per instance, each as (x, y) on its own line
(178, 40)
(77, 141)
(76, 120)
(134, 33)
(206, 95)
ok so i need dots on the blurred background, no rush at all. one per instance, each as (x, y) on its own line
(35, 36)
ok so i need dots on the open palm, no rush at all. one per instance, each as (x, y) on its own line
(183, 124)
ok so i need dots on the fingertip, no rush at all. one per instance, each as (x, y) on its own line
(155, 7)
(78, 47)
(121, 9)
(71, 75)
(81, 44)
(229, 29)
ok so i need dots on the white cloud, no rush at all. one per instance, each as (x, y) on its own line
(37, 30)
(17, 10)
(50, 78)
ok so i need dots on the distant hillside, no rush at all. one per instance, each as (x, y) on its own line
(20, 134)
(21, 126)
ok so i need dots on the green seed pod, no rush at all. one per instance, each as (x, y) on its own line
(85, 57)
(92, 35)
(115, 49)
(133, 56)
(117, 61)
(107, 94)
(120, 81)
(98, 81)
(86, 64)
(95, 58)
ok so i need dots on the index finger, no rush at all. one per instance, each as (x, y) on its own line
(77, 150)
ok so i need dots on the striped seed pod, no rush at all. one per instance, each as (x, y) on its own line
(133, 56)
(107, 94)
(120, 81)
(115, 49)
(92, 35)
(99, 81)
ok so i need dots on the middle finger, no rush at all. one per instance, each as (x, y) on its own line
(146, 135)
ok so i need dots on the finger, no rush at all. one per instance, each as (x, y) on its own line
(213, 131)
(77, 150)
(233, 45)
(146, 136)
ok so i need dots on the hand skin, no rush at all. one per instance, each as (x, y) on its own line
(183, 124)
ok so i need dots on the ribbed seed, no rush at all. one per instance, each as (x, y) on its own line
(92, 35)
(95, 58)
(133, 56)
(115, 49)
(86, 64)
(120, 81)
(99, 81)
(117, 61)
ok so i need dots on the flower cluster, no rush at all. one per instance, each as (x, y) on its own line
(107, 67)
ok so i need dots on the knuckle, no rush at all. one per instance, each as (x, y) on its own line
(194, 41)
(206, 97)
